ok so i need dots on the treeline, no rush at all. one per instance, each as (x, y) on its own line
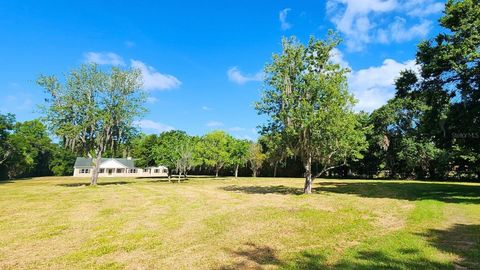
(27, 150)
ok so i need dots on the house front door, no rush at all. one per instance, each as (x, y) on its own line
(110, 171)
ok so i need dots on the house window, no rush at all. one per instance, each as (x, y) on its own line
(133, 171)
(84, 170)
(157, 170)
(119, 170)
(102, 170)
(165, 170)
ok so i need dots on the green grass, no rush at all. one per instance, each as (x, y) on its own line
(205, 223)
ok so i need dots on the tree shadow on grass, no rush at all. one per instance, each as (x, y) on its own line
(165, 180)
(253, 256)
(281, 189)
(9, 181)
(99, 184)
(401, 259)
(451, 193)
(462, 240)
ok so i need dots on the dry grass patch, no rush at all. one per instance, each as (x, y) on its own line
(204, 223)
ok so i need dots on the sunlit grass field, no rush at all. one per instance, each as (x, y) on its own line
(245, 223)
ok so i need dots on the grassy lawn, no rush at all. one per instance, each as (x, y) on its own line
(59, 223)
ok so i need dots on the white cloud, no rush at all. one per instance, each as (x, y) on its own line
(149, 125)
(154, 80)
(235, 75)
(423, 8)
(398, 32)
(206, 108)
(236, 129)
(104, 58)
(336, 56)
(282, 16)
(373, 86)
(214, 124)
(362, 21)
(152, 100)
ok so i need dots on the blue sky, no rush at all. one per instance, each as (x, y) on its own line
(202, 61)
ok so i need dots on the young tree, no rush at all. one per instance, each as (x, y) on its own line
(310, 108)
(239, 154)
(93, 108)
(214, 150)
(167, 149)
(255, 157)
(276, 153)
(185, 161)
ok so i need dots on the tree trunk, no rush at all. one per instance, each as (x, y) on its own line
(275, 169)
(94, 178)
(308, 176)
(216, 172)
(179, 174)
(254, 173)
(169, 175)
(236, 171)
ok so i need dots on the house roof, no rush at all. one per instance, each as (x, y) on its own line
(87, 162)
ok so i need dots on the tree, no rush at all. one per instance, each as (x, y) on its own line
(186, 160)
(167, 149)
(143, 149)
(62, 161)
(447, 84)
(255, 157)
(7, 122)
(214, 150)
(30, 150)
(239, 154)
(93, 109)
(309, 106)
(275, 152)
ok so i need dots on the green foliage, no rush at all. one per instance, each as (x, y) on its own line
(62, 161)
(214, 150)
(256, 157)
(27, 148)
(309, 106)
(143, 150)
(167, 150)
(238, 153)
(94, 110)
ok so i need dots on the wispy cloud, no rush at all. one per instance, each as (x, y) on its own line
(235, 75)
(150, 125)
(374, 86)
(214, 124)
(104, 58)
(152, 100)
(154, 80)
(368, 21)
(206, 108)
(282, 16)
(236, 129)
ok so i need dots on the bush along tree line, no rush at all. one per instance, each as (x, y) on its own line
(430, 129)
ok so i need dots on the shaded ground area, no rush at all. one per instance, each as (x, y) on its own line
(451, 193)
(246, 223)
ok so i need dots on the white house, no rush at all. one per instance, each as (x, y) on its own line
(116, 167)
